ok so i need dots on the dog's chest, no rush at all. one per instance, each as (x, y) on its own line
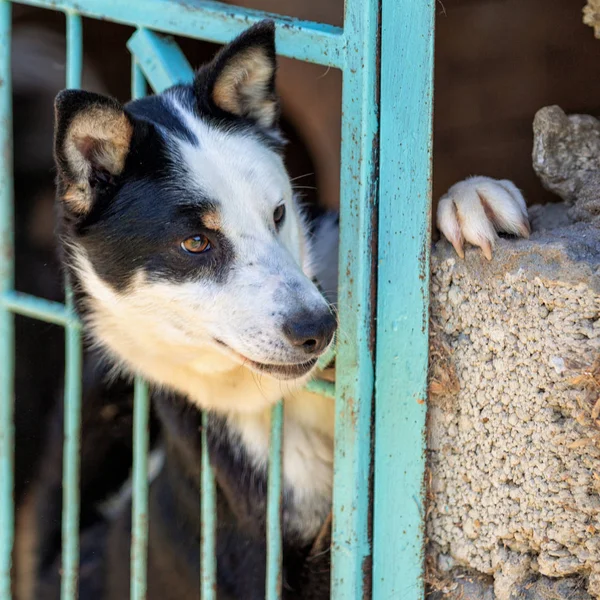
(239, 447)
(307, 457)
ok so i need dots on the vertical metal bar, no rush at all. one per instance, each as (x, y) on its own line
(72, 440)
(402, 296)
(141, 417)
(208, 522)
(274, 506)
(139, 520)
(351, 546)
(6, 318)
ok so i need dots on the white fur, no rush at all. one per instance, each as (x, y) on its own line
(461, 214)
(307, 455)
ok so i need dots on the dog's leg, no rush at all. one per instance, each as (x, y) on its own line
(475, 209)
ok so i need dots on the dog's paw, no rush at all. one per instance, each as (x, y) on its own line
(475, 209)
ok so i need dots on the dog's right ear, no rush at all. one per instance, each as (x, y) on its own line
(240, 81)
(92, 137)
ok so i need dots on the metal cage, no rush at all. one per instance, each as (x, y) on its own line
(385, 51)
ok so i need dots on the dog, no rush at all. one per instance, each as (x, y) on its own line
(194, 266)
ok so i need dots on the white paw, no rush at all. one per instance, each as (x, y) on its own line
(475, 209)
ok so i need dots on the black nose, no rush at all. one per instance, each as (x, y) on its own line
(310, 332)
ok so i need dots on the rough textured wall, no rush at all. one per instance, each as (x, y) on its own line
(591, 15)
(566, 158)
(515, 453)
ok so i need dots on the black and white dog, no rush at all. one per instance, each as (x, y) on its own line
(194, 268)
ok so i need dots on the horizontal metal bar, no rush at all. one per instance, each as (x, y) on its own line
(37, 308)
(323, 388)
(212, 21)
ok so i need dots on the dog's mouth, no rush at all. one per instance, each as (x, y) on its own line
(279, 371)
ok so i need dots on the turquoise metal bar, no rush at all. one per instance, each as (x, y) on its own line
(212, 21)
(160, 59)
(402, 297)
(323, 388)
(274, 506)
(351, 546)
(317, 386)
(6, 317)
(141, 423)
(208, 521)
(139, 87)
(139, 518)
(72, 431)
(74, 49)
(37, 308)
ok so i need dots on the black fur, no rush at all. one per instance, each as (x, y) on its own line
(156, 110)
(174, 512)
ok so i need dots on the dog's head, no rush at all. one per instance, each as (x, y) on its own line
(182, 231)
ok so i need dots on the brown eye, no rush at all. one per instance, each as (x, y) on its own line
(196, 244)
(279, 214)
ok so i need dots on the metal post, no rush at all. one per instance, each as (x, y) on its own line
(274, 506)
(351, 546)
(72, 398)
(407, 35)
(139, 517)
(7, 334)
(208, 524)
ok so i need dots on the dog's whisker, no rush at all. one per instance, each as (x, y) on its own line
(301, 176)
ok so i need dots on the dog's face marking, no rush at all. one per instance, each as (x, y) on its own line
(190, 249)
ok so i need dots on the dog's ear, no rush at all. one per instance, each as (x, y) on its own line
(92, 137)
(241, 79)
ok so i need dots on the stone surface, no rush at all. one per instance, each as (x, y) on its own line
(591, 16)
(465, 586)
(566, 158)
(515, 452)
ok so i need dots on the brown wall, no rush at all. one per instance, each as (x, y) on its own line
(497, 62)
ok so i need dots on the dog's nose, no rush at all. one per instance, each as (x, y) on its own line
(310, 332)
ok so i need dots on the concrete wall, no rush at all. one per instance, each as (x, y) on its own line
(514, 429)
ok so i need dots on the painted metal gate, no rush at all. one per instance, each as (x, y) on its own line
(385, 51)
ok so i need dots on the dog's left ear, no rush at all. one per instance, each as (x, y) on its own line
(92, 137)
(241, 79)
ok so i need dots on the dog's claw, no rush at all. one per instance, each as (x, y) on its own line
(458, 246)
(525, 229)
(475, 209)
(486, 247)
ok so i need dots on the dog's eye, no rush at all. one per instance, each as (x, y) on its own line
(279, 214)
(196, 244)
